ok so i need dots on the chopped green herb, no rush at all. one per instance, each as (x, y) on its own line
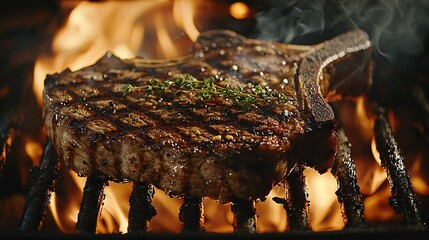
(127, 88)
(207, 89)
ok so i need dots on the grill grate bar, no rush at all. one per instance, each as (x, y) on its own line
(296, 201)
(191, 214)
(93, 196)
(244, 216)
(403, 198)
(141, 208)
(348, 193)
(38, 198)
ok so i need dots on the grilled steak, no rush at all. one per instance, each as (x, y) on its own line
(227, 121)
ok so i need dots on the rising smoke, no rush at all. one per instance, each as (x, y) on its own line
(397, 28)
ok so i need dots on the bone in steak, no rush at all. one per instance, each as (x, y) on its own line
(187, 145)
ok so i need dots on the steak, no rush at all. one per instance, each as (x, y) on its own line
(227, 121)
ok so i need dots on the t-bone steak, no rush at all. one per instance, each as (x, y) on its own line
(227, 121)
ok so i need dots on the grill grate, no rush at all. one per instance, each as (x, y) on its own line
(295, 203)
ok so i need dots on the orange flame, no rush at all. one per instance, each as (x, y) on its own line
(183, 11)
(34, 149)
(239, 10)
(325, 212)
(120, 27)
(420, 183)
(375, 152)
(65, 201)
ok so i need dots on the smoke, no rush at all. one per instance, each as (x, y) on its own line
(397, 28)
(288, 20)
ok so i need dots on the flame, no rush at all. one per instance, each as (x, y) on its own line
(272, 216)
(365, 120)
(377, 208)
(5, 147)
(183, 11)
(239, 10)
(419, 182)
(68, 219)
(115, 209)
(65, 201)
(325, 212)
(167, 46)
(34, 149)
(124, 28)
(375, 152)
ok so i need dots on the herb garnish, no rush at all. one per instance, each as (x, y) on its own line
(207, 89)
(127, 88)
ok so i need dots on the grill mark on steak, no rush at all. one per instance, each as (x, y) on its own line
(172, 140)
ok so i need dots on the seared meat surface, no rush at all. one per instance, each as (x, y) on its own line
(107, 118)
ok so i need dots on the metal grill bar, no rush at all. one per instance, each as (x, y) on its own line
(93, 196)
(191, 214)
(244, 216)
(403, 198)
(38, 198)
(296, 201)
(141, 208)
(348, 192)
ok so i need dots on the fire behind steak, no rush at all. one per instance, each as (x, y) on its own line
(113, 117)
